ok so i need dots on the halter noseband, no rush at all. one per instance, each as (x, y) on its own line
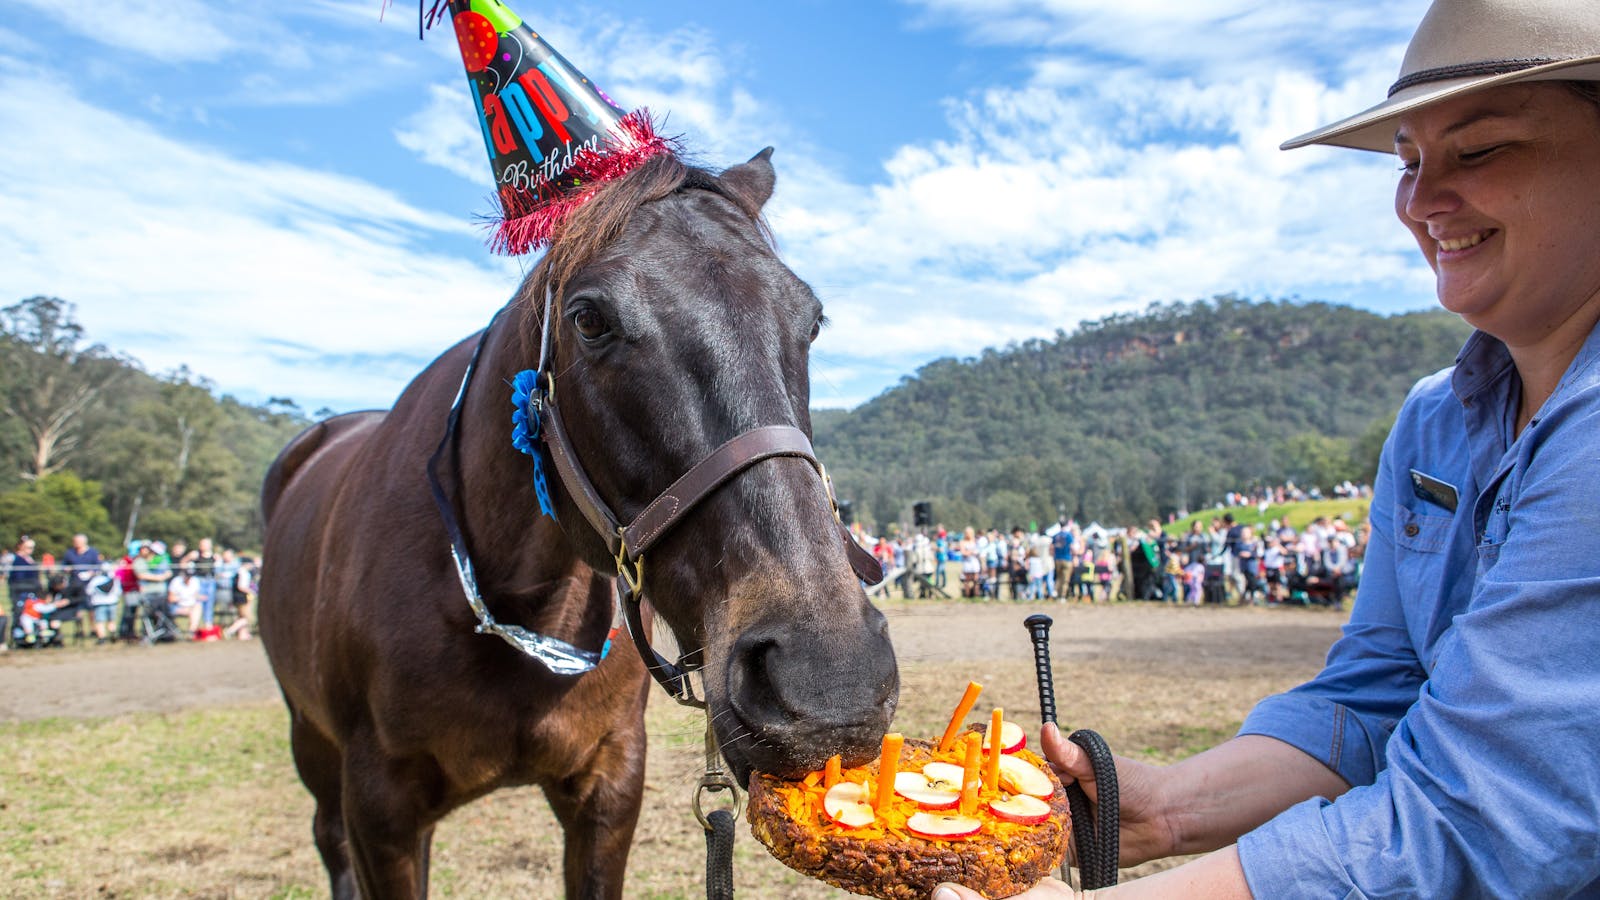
(626, 543)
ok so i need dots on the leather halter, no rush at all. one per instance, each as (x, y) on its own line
(627, 543)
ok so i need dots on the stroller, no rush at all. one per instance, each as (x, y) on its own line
(154, 621)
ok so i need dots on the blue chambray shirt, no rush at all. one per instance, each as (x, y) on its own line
(1463, 700)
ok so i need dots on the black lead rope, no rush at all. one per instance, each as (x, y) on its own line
(1094, 826)
(719, 855)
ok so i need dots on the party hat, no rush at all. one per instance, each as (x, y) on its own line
(552, 135)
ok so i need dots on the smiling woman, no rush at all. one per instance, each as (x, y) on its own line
(1448, 747)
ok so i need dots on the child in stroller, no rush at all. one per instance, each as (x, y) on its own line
(38, 618)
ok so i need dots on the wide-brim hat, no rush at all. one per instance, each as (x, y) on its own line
(1469, 45)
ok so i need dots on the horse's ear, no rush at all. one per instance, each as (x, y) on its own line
(753, 180)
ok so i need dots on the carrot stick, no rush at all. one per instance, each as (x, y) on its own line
(970, 780)
(965, 706)
(991, 764)
(830, 774)
(888, 766)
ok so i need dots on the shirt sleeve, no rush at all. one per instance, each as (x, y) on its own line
(1492, 782)
(1344, 716)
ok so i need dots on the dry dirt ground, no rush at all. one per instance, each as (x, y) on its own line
(224, 816)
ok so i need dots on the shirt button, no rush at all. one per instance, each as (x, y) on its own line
(1412, 529)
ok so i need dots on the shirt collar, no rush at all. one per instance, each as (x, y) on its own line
(1482, 363)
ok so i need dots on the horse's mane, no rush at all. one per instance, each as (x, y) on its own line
(600, 220)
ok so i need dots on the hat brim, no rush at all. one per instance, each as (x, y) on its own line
(1373, 129)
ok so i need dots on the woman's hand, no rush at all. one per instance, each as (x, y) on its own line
(1048, 889)
(1145, 834)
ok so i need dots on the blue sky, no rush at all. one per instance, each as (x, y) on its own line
(285, 197)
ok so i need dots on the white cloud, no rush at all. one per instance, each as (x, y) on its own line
(266, 277)
(169, 30)
(1051, 204)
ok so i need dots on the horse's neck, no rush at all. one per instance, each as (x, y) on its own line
(514, 546)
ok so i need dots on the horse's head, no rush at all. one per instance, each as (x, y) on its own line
(676, 327)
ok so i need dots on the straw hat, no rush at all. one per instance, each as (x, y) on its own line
(1469, 45)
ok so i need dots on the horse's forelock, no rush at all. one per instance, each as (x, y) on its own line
(598, 222)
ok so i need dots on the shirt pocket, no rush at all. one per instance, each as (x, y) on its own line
(1420, 539)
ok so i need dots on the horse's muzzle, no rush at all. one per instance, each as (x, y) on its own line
(800, 691)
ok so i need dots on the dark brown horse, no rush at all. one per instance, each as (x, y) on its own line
(675, 328)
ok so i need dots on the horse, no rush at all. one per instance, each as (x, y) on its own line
(667, 330)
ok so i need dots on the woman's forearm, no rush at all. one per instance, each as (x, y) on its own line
(1212, 798)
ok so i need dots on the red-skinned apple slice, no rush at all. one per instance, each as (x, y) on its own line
(944, 776)
(942, 826)
(1019, 808)
(927, 794)
(1012, 738)
(846, 803)
(1021, 777)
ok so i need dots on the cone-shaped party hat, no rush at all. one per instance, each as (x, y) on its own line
(551, 133)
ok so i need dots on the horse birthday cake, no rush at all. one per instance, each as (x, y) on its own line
(976, 808)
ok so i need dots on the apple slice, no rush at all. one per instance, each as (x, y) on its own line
(927, 793)
(1020, 777)
(942, 826)
(1012, 738)
(946, 776)
(846, 803)
(1019, 808)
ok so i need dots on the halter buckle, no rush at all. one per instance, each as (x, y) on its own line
(632, 573)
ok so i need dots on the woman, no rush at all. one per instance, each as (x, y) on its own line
(1455, 721)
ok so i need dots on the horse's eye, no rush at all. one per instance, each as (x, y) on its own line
(816, 327)
(590, 324)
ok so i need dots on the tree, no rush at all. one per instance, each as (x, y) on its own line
(51, 378)
(54, 508)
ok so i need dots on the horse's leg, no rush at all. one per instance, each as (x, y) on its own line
(598, 811)
(318, 762)
(386, 817)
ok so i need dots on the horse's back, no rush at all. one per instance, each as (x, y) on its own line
(324, 435)
(297, 501)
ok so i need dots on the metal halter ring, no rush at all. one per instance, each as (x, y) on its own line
(715, 783)
(715, 780)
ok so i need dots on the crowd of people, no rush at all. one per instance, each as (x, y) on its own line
(1223, 561)
(138, 595)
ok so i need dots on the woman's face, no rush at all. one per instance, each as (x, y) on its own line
(1501, 189)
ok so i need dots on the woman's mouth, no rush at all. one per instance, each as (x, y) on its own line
(1456, 245)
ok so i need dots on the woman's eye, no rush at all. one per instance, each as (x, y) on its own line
(590, 324)
(1474, 155)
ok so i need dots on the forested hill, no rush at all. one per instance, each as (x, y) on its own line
(1137, 414)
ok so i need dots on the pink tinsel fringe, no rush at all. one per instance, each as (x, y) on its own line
(528, 220)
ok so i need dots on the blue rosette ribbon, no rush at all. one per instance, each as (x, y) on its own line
(525, 427)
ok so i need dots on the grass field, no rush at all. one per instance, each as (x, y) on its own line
(1295, 515)
(204, 802)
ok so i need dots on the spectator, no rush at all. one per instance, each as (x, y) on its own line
(104, 592)
(1061, 556)
(82, 563)
(24, 582)
(184, 599)
(1194, 579)
(132, 596)
(244, 600)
